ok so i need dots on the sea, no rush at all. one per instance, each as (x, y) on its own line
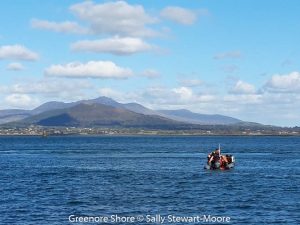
(145, 179)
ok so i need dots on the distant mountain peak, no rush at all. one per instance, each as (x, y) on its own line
(104, 98)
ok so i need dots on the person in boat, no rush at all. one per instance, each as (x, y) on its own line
(229, 158)
(209, 156)
(214, 159)
(223, 162)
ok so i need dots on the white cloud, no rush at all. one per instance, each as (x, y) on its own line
(228, 55)
(191, 82)
(49, 86)
(179, 15)
(244, 99)
(116, 45)
(3, 89)
(18, 52)
(63, 27)
(15, 66)
(91, 69)
(284, 83)
(242, 87)
(184, 96)
(151, 73)
(50, 89)
(206, 98)
(183, 92)
(116, 18)
(20, 101)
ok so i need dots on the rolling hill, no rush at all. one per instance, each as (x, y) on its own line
(103, 110)
(196, 118)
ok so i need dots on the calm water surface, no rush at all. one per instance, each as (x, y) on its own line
(44, 180)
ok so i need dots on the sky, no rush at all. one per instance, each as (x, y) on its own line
(235, 58)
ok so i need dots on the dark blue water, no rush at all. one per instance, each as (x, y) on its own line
(44, 180)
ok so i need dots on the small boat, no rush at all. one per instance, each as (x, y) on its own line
(220, 162)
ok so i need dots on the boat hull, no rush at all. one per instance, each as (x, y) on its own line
(228, 167)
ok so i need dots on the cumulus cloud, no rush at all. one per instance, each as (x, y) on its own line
(63, 27)
(20, 101)
(50, 89)
(17, 52)
(49, 86)
(150, 73)
(116, 45)
(91, 69)
(183, 96)
(242, 87)
(284, 83)
(244, 99)
(127, 23)
(179, 15)
(191, 82)
(183, 92)
(15, 66)
(3, 89)
(116, 18)
(228, 55)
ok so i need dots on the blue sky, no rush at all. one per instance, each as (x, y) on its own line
(237, 58)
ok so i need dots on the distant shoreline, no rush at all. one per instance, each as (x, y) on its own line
(118, 131)
(151, 135)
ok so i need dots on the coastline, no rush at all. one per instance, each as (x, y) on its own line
(151, 135)
(44, 131)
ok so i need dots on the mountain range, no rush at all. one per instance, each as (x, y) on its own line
(104, 111)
